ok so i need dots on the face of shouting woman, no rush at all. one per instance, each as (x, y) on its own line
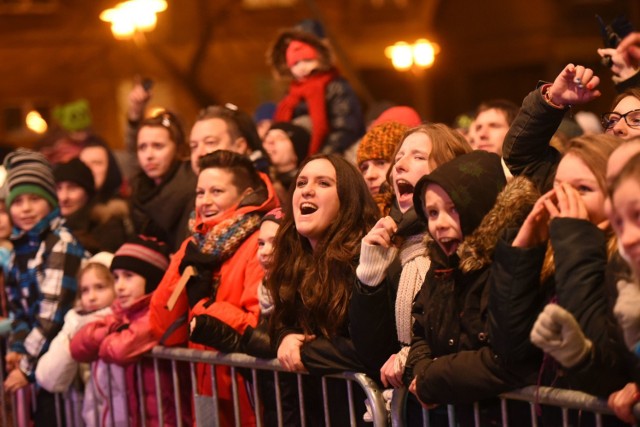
(315, 199)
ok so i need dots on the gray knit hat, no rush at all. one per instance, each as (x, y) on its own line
(29, 172)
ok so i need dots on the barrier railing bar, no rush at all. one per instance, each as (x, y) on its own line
(141, 400)
(256, 397)
(451, 413)
(476, 414)
(303, 414)
(325, 402)
(214, 396)
(234, 394)
(534, 418)
(276, 379)
(176, 392)
(156, 379)
(352, 409)
(503, 411)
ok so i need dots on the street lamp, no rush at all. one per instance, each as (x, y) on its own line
(404, 56)
(133, 16)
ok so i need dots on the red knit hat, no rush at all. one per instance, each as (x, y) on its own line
(298, 51)
(401, 114)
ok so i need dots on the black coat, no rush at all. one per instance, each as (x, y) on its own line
(517, 297)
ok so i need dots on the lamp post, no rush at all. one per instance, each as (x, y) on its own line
(415, 57)
(133, 17)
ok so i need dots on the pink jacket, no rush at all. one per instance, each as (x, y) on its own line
(122, 339)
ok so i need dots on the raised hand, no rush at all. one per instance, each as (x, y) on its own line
(535, 229)
(574, 85)
(382, 233)
(568, 203)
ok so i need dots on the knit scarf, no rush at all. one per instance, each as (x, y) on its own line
(312, 91)
(415, 264)
(223, 239)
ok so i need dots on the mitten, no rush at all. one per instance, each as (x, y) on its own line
(213, 332)
(627, 311)
(199, 286)
(557, 333)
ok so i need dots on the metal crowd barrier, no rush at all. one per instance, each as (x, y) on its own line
(566, 400)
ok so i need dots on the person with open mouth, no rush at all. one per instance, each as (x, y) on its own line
(393, 258)
(451, 362)
(312, 276)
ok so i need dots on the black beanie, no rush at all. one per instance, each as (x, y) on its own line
(472, 180)
(299, 137)
(144, 256)
(77, 172)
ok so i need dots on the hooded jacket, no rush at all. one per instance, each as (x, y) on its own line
(344, 118)
(450, 356)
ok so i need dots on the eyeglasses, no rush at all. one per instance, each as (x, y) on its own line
(632, 118)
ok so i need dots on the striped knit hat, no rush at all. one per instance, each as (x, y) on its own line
(144, 256)
(29, 172)
(380, 142)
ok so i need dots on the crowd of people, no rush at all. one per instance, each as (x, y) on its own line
(456, 263)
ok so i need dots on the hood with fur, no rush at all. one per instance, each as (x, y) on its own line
(277, 54)
(510, 210)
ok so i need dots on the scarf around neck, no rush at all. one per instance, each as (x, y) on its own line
(312, 91)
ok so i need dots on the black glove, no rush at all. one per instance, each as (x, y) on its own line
(213, 332)
(201, 285)
(256, 342)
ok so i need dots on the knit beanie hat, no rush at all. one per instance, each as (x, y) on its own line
(264, 111)
(298, 51)
(401, 114)
(144, 256)
(29, 172)
(298, 135)
(274, 215)
(472, 181)
(380, 142)
(77, 172)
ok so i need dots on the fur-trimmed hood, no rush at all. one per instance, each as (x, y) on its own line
(512, 206)
(277, 54)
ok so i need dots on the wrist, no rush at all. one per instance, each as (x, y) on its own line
(550, 99)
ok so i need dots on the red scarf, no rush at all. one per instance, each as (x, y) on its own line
(312, 91)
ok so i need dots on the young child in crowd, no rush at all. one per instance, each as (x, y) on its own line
(56, 369)
(231, 198)
(122, 338)
(316, 90)
(465, 204)
(41, 282)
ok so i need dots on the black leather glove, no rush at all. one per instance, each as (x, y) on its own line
(213, 332)
(256, 341)
(201, 285)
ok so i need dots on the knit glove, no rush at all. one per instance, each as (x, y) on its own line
(557, 333)
(627, 311)
(374, 262)
(199, 286)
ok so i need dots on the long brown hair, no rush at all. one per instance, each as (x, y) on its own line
(311, 288)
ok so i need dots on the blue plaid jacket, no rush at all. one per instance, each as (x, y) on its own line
(41, 286)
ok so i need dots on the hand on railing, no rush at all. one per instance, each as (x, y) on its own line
(289, 351)
(15, 381)
(622, 402)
